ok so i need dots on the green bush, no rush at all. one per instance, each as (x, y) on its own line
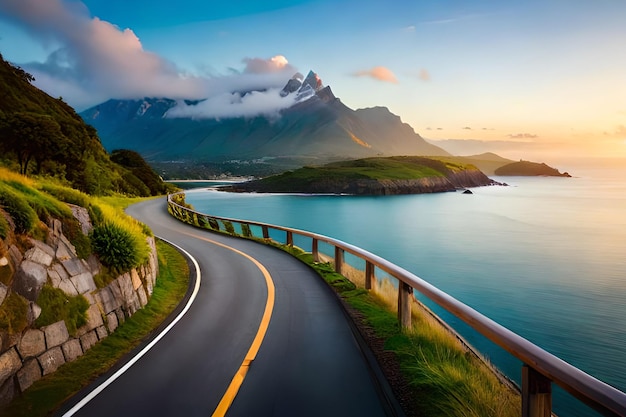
(116, 247)
(56, 306)
(23, 215)
(245, 230)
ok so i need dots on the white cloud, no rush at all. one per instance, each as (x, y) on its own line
(97, 60)
(267, 103)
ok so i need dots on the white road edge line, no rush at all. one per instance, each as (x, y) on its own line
(145, 350)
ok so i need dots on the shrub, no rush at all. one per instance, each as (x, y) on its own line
(56, 306)
(245, 230)
(116, 247)
(81, 242)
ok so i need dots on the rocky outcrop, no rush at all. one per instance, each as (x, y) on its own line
(26, 357)
(527, 168)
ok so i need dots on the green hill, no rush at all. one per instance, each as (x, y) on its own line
(527, 168)
(44, 136)
(373, 176)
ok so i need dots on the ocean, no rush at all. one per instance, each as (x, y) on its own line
(544, 257)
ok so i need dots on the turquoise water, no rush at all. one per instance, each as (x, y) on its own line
(544, 257)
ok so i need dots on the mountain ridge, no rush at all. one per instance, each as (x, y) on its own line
(318, 127)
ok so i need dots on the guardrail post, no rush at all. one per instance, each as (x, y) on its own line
(370, 279)
(289, 239)
(314, 250)
(536, 394)
(266, 232)
(404, 304)
(338, 259)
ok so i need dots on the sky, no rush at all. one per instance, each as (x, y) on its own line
(538, 77)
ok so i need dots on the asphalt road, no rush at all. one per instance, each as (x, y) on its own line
(308, 364)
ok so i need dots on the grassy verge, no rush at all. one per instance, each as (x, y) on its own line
(438, 374)
(52, 390)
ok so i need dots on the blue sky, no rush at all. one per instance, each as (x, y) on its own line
(549, 75)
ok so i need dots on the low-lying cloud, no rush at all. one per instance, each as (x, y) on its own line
(266, 103)
(522, 136)
(378, 73)
(95, 60)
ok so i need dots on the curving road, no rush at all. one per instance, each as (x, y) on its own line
(309, 362)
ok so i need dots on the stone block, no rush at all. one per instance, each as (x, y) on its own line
(65, 251)
(120, 316)
(4, 261)
(94, 320)
(4, 291)
(34, 311)
(72, 350)
(142, 296)
(57, 227)
(56, 334)
(16, 255)
(88, 340)
(8, 391)
(32, 343)
(54, 277)
(101, 332)
(94, 264)
(60, 270)
(82, 215)
(68, 287)
(10, 363)
(75, 266)
(83, 282)
(40, 253)
(108, 301)
(134, 276)
(112, 322)
(29, 279)
(30, 373)
(51, 359)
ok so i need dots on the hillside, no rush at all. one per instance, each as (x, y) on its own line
(41, 135)
(527, 168)
(317, 129)
(372, 176)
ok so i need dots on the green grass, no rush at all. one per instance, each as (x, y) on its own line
(56, 306)
(47, 394)
(13, 312)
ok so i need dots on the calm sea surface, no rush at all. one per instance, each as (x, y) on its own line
(544, 257)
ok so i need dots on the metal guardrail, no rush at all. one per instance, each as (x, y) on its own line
(540, 368)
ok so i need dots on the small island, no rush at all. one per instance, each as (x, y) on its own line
(372, 176)
(527, 168)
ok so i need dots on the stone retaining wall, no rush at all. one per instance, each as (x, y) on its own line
(25, 358)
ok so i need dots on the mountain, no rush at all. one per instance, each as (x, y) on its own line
(44, 136)
(317, 128)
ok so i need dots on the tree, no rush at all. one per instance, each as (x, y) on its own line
(30, 136)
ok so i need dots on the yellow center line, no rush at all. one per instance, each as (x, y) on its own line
(235, 384)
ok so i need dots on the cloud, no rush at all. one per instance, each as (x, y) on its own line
(424, 75)
(522, 136)
(467, 128)
(95, 60)
(378, 73)
(266, 103)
